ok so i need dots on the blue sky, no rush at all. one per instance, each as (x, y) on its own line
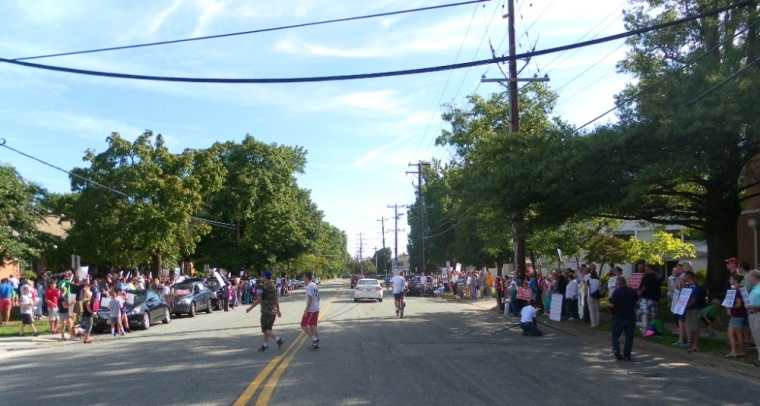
(360, 134)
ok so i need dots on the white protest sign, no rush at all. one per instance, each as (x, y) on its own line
(555, 313)
(676, 294)
(745, 296)
(559, 254)
(105, 301)
(682, 302)
(219, 278)
(242, 273)
(165, 272)
(459, 268)
(130, 298)
(574, 264)
(72, 297)
(730, 298)
(82, 272)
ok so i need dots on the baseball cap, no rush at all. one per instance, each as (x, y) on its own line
(733, 261)
(268, 274)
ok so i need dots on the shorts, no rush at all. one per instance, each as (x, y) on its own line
(26, 319)
(737, 322)
(53, 314)
(649, 305)
(64, 316)
(114, 320)
(398, 296)
(707, 319)
(692, 321)
(267, 321)
(87, 324)
(310, 319)
(5, 304)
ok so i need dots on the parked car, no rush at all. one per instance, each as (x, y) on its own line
(216, 296)
(416, 286)
(148, 308)
(191, 296)
(368, 289)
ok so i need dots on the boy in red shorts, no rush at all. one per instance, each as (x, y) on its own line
(311, 314)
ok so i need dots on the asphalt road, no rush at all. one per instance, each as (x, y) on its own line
(441, 353)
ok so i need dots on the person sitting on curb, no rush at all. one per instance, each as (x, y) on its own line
(528, 320)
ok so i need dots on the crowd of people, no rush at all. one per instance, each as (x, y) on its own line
(70, 303)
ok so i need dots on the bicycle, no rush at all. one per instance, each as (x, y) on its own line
(400, 305)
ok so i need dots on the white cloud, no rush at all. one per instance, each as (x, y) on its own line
(158, 21)
(383, 100)
(377, 151)
(209, 10)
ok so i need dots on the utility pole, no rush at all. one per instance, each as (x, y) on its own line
(376, 257)
(382, 228)
(514, 121)
(361, 254)
(396, 216)
(421, 206)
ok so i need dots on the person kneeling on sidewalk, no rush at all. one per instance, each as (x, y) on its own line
(528, 320)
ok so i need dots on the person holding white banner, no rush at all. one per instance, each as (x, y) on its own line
(693, 307)
(738, 314)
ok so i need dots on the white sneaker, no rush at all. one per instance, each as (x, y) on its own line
(570, 319)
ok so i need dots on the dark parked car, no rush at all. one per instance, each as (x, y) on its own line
(191, 296)
(216, 295)
(148, 308)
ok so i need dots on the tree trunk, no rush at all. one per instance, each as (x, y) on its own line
(722, 243)
(157, 264)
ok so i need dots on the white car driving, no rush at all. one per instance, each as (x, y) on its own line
(368, 289)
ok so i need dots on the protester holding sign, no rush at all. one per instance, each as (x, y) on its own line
(738, 314)
(693, 307)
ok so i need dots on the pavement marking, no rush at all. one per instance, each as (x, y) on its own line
(272, 383)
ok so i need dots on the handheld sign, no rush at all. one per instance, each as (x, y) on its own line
(635, 280)
(555, 313)
(219, 278)
(72, 298)
(682, 302)
(730, 298)
(524, 293)
(105, 301)
(674, 303)
(745, 296)
(130, 298)
(574, 264)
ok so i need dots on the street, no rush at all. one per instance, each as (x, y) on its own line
(442, 353)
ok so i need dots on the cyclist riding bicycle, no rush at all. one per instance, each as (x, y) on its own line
(399, 288)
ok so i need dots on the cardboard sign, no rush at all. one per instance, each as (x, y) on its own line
(219, 278)
(730, 298)
(555, 313)
(105, 301)
(164, 272)
(635, 280)
(242, 273)
(459, 268)
(130, 298)
(676, 294)
(72, 298)
(574, 264)
(745, 296)
(683, 300)
(82, 272)
(524, 293)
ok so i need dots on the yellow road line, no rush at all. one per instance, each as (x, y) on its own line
(272, 383)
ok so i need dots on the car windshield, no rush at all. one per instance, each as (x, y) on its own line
(368, 282)
(212, 283)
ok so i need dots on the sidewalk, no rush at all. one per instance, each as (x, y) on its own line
(32, 343)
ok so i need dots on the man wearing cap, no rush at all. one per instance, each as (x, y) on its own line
(270, 309)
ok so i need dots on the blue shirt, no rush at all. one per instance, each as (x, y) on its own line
(6, 291)
(754, 297)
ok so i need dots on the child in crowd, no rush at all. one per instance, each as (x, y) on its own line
(707, 315)
(114, 307)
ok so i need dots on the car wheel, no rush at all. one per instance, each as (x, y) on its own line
(167, 317)
(356, 300)
(191, 313)
(209, 308)
(380, 300)
(145, 324)
(219, 305)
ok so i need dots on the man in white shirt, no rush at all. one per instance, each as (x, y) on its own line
(571, 297)
(399, 287)
(528, 320)
(311, 313)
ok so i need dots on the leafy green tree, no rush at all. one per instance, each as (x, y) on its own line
(19, 214)
(384, 260)
(663, 246)
(150, 219)
(678, 155)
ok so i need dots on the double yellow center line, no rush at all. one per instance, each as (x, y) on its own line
(283, 361)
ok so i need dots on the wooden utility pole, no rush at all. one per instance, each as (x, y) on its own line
(396, 217)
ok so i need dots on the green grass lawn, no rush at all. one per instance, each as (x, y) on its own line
(13, 328)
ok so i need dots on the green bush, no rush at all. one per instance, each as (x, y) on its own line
(29, 274)
(701, 276)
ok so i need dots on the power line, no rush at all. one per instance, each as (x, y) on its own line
(687, 64)
(721, 84)
(338, 20)
(383, 74)
(100, 185)
(589, 68)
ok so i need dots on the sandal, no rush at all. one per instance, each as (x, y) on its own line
(730, 356)
(692, 350)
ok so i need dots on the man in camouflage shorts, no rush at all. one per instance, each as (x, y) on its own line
(270, 310)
